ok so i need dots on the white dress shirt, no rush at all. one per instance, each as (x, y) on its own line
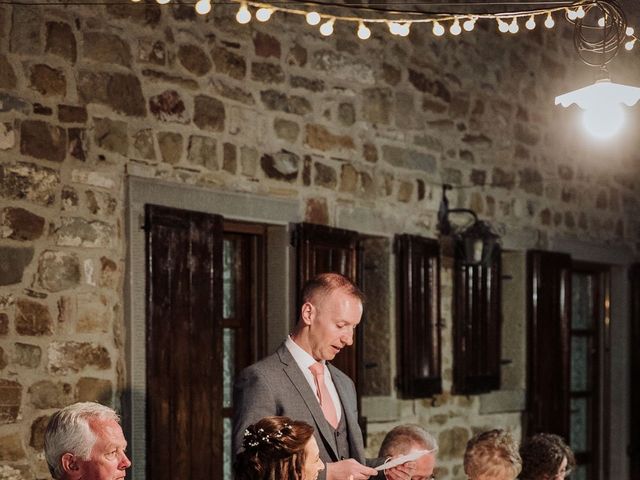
(304, 361)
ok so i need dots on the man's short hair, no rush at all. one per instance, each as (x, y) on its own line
(490, 453)
(69, 431)
(402, 438)
(325, 283)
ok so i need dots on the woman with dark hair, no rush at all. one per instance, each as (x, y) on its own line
(278, 448)
(545, 456)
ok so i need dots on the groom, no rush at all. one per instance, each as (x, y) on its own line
(297, 381)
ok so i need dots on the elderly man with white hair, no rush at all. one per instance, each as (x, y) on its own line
(85, 441)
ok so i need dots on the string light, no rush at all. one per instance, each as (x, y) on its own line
(630, 31)
(394, 28)
(549, 22)
(601, 22)
(580, 12)
(531, 23)
(502, 25)
(203, 6)
(244, 15)
(326, 28)
(363, 31)
(514, 28)
(572, 14)
(455, 28)
(404, 29)
(313, 18)
(264, 14)
(163, 2)
(630, 44)
(469, 24)
(438, 30)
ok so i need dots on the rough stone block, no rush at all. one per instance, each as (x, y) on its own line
(47, 80)
(21, 224)
(313, 85)
(152, 51)
(69, 199)
(111, 135)
(148, 14)
(11, 449)
(405, 192)
(281, 166)
(77, 142)
(229, 158)
(531, 181)
(274, 100)
(410, 159)
(234, 92)
(171, 147)
(172, 79)
(168, 107)
(33, 318)
(42, 140)
(503, 179)
(348, 178)
(346, 114)
(94, 390)
(391, 74)
(109, 273)
(249, 161)
(433, 87)
(266, 45)
(106, 48)
(61, 41)
(229, 63)
(194, 59)
(4, 324)
(58, 270)
(452, 443)
(38, 427)
(27, 355)
(325, 176)
(13, 261)
(79, 232)
(3, 358)
(209, 113)
(344, 67)
(48, 394)
(121, 92)
(267, 73)
(297, 55)
(286, 129)
(10, 400)
(316, 211)
(94, 313)
(318, 136)
(377, 108)
(95, 179)
(8, 79)
(25, 30)
(143, 144)
(7, 136)
(72, 114)
(68, 357)
(100, 203)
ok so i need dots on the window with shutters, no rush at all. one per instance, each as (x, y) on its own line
(418, 316)
(476, 327)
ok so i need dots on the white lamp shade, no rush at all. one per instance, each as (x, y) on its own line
(601, 92)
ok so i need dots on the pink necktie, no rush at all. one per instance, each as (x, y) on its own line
(328, 408)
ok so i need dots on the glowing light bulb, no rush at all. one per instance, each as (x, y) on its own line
(326, 28)
(395, 28)
(244, 15)
(531, 23)
(469, 24)
(630, 31)
(549, 22)
(438, 30)
(264, 14)
(455, 28)
(163, 2)
(363, 31)
(502, 25)
(580, 12)
(601, 22)
(629, 45)
(203, 6)
(513, 27)
(405, 29)
(572, 14)
(604, 120)
(313, 18)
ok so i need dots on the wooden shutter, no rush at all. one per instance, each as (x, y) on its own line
(476, 326)
(549, 317)
(184, 347)
(321, 249)
(634, 427)
(418, 316)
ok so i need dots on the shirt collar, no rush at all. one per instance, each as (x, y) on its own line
(302, 357)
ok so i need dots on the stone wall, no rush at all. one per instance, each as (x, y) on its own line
(90, 95)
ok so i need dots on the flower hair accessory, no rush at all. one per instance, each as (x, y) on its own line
(253, 438)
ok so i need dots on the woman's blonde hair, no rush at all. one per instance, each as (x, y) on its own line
(490, 453)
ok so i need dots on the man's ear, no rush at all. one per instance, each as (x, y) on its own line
(307, 312)
(69, 464)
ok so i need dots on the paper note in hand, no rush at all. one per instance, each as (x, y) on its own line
(409, 457)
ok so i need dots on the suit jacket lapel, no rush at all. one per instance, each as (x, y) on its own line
(292, 370)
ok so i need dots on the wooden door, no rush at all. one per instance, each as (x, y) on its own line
(634, 427)
(184, 347)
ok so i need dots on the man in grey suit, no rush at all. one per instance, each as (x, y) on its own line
(296, 380)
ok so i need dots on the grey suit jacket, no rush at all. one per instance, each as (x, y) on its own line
(276, 386)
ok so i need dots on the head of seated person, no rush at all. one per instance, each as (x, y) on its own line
(410, 438)
(278, 448)
(492, 455)
(546, 456)
(85, 441)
